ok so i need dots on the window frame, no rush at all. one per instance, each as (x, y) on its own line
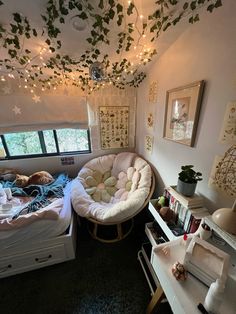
(43, 147)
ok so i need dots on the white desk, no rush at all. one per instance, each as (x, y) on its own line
(183, 297)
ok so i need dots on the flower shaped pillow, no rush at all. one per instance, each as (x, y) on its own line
(127, 183)
(101, 187)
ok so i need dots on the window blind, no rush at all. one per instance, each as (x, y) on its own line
(44, 112)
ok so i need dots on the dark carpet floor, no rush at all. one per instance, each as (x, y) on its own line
(103, 279)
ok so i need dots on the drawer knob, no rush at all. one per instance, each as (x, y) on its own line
(43, 259)
(2, 270)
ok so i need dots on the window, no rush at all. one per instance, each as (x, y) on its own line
(44, 143)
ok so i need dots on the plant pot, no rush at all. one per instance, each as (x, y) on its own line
(187, 189)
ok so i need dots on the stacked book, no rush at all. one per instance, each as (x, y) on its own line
(189, 211)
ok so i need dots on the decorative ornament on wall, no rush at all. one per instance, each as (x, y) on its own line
(36, 98)
(150, 120)
(114, 126)
(228, 130)
(223, 174)
(152, 95)
(16, 110)
(148, 143)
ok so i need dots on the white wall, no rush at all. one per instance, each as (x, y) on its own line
(204, 51)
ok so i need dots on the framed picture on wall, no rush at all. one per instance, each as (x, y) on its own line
(182, 113)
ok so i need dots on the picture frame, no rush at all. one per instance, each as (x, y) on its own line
(182, 113)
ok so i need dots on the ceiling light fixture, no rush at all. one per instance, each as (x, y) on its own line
(78, 24)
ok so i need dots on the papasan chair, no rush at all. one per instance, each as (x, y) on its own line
(110, 190)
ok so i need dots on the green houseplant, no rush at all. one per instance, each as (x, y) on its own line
(187, 180)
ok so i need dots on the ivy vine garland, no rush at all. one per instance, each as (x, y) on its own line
(102, 15)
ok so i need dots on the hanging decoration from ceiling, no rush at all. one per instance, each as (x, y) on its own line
(48, 66)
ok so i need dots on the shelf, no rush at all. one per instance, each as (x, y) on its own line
(229, 238)
(160, 221)
(152, 235)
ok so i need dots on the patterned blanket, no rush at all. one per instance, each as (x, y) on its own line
(41, 193)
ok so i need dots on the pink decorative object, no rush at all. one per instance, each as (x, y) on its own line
(179, 271)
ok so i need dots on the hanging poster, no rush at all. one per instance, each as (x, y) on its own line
(114, 126)
(228, 131)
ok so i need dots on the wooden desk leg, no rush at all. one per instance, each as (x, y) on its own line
(156, 299)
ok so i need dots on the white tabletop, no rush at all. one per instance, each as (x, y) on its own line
(184, 296)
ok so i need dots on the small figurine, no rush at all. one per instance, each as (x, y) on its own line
(179, 271)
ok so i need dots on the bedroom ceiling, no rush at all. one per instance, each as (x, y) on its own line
(85, 43)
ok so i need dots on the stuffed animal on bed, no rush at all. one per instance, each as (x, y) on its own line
(38, 178)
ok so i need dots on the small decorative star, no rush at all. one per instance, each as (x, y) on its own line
(36, 98)
(16, 110)
(6, 90)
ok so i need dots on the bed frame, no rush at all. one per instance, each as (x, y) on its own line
(47, 252)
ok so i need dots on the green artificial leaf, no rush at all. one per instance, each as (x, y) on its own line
(83, 15)
(119, 8)
(17, 17)
(52, 49)
(35, 32)
(196, 18)
(14, 28)
(166, 26)
(210, 8)
(111, 14)
(71, 5)
(185, 6)
(130, 8)
(218, 4)
(64, 11)
(101, 4)
(193, 5)
(79, 6)
(12, 53)
(190, 20)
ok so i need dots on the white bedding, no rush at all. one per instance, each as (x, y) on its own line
(39, 230)
(116, 209)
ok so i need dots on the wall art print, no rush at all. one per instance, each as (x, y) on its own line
(149, 120)
(114, 126)
(182, 113)
(152, 95)
(228, 130)
(148, 143)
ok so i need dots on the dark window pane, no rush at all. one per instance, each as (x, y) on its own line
(70, 140)
(49, 141)
(24, 143)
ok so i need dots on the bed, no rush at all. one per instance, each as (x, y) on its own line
(38, 239)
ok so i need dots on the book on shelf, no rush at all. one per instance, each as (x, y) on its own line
(194, 218)
(189, 202)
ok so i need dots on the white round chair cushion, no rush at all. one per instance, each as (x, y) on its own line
(130, 180)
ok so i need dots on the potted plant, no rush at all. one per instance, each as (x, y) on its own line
(187, 180)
